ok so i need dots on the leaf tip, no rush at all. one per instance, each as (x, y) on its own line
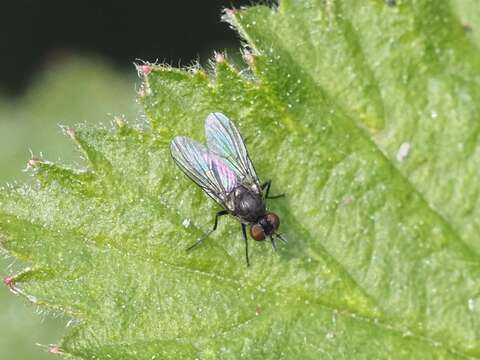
(71, 132)
(144, 69)
(55, 349)
(119, 121)
(219, 58)
(230, 13)
(52, 349)
(9, 281)
(33, 163)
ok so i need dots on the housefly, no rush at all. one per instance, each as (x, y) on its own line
(224, 171)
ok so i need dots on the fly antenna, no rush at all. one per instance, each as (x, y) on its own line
(282, 239)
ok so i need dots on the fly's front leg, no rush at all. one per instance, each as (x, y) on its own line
(244, 232)
(274, 246)
(199, 241)
(266, 185)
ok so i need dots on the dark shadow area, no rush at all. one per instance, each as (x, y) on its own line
(36, 33)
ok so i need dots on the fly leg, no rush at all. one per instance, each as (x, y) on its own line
(199, 241)
(274, 246)
(244, 232)
(267, 185)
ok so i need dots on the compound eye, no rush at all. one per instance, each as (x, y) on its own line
(274, 220)
(257, 233)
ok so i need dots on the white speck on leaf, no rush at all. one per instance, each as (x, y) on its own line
(471, 304)
(403, 151)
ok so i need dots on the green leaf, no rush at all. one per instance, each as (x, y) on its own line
(364, 113)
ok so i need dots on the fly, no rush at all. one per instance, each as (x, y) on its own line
(225, 172)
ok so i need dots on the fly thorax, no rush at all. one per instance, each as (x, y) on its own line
(248, 204)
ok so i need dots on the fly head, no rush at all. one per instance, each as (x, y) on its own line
(265, 226)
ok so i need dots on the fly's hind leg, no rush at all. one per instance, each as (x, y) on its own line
(244, 232)
(266, 185)
(199, 241)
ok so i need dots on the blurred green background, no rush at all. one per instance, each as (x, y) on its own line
(75, 90)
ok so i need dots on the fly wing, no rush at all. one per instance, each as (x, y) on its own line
(205, 168)
(224, 139)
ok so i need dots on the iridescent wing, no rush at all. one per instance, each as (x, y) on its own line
(205, 168)
(224, 140)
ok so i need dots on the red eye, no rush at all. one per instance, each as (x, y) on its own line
(274, 220)
(257, 233)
